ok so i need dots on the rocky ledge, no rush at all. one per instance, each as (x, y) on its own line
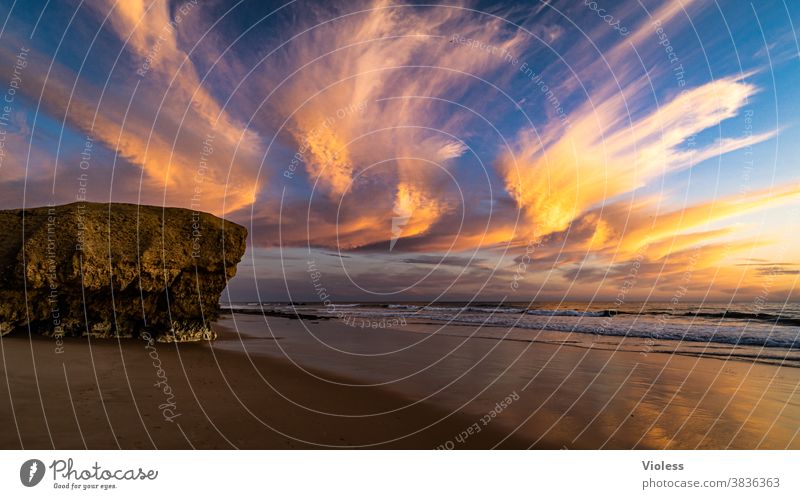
(115, 270)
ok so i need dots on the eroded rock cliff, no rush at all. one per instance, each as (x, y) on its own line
(115, 270)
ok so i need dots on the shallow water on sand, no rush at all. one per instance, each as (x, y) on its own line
(567, 390)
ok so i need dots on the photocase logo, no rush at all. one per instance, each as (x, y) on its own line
(31, 472)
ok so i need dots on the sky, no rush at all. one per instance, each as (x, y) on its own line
(387, 151)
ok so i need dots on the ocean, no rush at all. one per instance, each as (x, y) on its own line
(654, 375)
(771, 325)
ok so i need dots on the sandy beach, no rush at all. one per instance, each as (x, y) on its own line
(278, 383)
(108, 395)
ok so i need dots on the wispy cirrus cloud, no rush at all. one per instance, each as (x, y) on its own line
(437, 130)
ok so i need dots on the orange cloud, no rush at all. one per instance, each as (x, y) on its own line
(358, 94)
(174, 118)
(592, 162)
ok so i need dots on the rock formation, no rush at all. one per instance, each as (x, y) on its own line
(115, 270)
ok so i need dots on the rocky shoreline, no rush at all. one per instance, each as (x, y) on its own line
(115, 270)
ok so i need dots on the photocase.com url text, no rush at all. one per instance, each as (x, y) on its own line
(729, 483)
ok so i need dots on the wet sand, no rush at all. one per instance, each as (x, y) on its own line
(108, 394)
(278, 383)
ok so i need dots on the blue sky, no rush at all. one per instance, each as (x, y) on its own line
(435, 142)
